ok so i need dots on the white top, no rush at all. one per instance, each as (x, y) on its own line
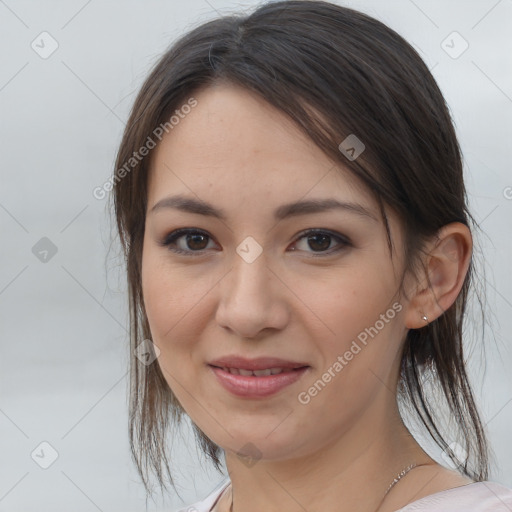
(484, 496)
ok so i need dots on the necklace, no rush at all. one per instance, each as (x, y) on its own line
(400, 475)
(391, 485)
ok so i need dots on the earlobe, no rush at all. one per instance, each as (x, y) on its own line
(447, 261)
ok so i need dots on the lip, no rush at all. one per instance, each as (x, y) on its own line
(260, 363)
(251, 386)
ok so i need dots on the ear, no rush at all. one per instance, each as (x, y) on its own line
(447, 262)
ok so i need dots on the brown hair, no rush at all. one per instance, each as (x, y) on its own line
(335, 72)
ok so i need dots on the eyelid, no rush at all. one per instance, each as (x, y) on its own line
(343, 241)
(313, 231)
(175, 235)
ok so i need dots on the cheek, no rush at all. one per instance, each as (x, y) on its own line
(347, 303)
(175, 303)
(354, 319)
(171, 295)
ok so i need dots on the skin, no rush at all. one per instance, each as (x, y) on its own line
(297, 300)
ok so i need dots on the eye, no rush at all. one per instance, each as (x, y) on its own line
(194, 242)
(320, 241)
(186, 241)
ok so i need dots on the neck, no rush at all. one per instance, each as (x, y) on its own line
(353, 470)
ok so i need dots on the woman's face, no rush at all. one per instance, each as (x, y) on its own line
(250, 282)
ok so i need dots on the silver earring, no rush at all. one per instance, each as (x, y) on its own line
(425, 318)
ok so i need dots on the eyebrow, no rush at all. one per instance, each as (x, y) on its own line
(191, 205)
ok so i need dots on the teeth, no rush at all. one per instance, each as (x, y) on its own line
(256, 373)
(261, 373)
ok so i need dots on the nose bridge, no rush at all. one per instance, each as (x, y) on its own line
(249, 279)
(249, 300)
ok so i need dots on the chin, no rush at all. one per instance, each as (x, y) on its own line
(259, 444)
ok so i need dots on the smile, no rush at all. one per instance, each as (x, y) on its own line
(257, 383)
(258, 373)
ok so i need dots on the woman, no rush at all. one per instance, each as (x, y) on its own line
(290, 199)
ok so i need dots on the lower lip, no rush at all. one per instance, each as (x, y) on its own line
(250, 386)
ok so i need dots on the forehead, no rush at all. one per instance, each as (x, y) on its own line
(235, 148)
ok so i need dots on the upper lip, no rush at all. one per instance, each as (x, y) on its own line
(260, 363)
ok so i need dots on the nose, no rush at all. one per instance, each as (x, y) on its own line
(252, 299)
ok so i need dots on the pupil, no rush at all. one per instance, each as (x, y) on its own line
(195, 238)
(325, 241)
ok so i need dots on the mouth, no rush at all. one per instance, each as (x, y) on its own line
(259, 373)
(256, 378)
(270, 365)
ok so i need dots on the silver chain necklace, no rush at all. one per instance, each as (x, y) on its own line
(391, 485)
(400, 475)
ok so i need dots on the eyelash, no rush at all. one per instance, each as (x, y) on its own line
(170, 241)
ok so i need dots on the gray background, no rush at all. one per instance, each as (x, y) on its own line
(63, 364)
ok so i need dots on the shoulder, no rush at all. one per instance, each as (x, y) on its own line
(206, 504)
(483, 496)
